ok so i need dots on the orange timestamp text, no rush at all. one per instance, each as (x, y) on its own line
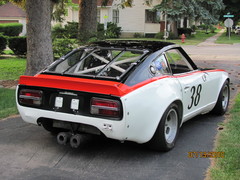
(196, 154)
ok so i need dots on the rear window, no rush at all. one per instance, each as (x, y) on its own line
(97, 62)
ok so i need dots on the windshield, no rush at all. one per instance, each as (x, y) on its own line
(97, 62)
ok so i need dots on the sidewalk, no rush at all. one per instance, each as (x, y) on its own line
(209, 51)
(211, 41)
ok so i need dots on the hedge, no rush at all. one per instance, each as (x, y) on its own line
(186, 31)
(3, 43)
(18, 45)
(11, 29)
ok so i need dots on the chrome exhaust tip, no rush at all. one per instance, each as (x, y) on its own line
(63, 138)
(75, 140)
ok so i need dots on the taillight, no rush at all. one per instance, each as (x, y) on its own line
(105, 107)
(30, 97)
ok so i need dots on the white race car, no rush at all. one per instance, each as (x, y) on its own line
(137, 91)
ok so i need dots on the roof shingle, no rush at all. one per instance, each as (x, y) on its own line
(10, 10)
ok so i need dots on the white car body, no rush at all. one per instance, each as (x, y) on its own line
(143, 104)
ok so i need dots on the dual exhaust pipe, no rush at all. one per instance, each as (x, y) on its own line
(74, 139)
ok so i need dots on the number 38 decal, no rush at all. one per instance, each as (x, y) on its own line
(196, 95)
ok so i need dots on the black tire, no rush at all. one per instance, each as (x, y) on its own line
(223, 100)
(165, 136)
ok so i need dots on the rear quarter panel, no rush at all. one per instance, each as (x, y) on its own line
(144, 107)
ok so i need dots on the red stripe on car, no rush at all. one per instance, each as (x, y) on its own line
(91, 85)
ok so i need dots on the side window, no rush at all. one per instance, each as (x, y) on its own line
(159, 66)
(67, 63)
(178, 62)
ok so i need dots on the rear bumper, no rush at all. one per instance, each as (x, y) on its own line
(110, 128)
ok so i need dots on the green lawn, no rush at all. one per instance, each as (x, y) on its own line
(11, 68)
(199, 37)
(229, 143)
(7, 102)
(234, 38)
(8, 52)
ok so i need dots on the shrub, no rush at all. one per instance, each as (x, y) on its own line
(171, 36)
(63, 46)
(3, 43)
(18, 45)
(212, 29)
(138, 35)
(194, 28)
(11, 29)
(58, 31)
(113, 31)
(72, 29)
(69, 30)
(186, 31)
(159, 35)
(150, 35)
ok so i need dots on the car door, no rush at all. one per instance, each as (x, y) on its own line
(193, 83)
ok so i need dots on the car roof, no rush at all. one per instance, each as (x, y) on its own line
(133, 44)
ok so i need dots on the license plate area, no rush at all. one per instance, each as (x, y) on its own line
(68, 103)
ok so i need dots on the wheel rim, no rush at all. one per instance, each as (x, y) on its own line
(225, 98)
(171, 126)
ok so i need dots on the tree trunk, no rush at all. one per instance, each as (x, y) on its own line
(174, 28)
(39, 41)
(87, 19)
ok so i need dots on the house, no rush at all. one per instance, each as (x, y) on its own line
(10, 13)
(138, 19)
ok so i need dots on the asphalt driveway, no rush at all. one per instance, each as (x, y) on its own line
(29, 152)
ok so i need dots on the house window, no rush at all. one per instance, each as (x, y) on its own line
(98, 15)
(152, 16)
(115, 16)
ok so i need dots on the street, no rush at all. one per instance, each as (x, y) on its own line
(29, 152)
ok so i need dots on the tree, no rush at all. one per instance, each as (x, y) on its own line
(233, 7)
(39, 42)
(205, 10)
(3, 2)
(87, 19)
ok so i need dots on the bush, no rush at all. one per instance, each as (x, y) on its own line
(212, 29)
(159, 35)
(113, 31)
(11, 29)
(63, 46)
(138, 35)
(3, 43)
(69, 30)
(171, 36)
(18, 45)
(72, 29)
(58, 31)
(186, 31)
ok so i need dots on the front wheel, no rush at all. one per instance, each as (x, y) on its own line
(223, 100)
(166, 134)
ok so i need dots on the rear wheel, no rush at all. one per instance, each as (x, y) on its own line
(165, 136)
(223, 100)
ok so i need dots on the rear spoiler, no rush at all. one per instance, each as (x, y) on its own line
(76, 84)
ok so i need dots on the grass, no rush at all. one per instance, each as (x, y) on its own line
(7, 102)
(199, 37)
(223, 39)
(8, 52)
(229, 143)
(11, 68)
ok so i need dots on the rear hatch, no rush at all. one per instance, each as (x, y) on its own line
(89, 97)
